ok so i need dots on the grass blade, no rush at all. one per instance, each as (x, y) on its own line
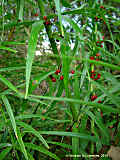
(9, 84)
(100, 125)
(71, 134)
(97, 105)
(64, 145)
(31, 52)
(10, 113)
(21, 10)
(17, 132)
(32, 130)
(20, 141)
(4, 153)
(42, 150)
(7, 49)
(57, 3)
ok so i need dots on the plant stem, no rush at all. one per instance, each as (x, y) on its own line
(48, 30)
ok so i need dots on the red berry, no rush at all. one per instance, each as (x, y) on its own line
(97, 54)
(101, 42)
(47, 22)
(57, 71)
(97, 59)
(101, 113)
(92, 58)
(99, 75)
(101, 46)
(45, 18)
(102, 7)
(61, 77)
(103, 37)
(98, 42)
(72, 71)
(99, 101)
(93, 75)
(93, 97)
(104, 22)
(36, 14)
(53, 79)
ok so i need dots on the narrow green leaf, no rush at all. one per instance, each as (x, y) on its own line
(10, 113)
(57, 3)
(4, 153)
(17, 132)
(32, 130)
(41, 7)
(41, 149)
(97, 105)
(2, 145)
(65, 3)
(11, 68)
(12, 43)
(7, 49)
(64, 145)
(75, 11)
(118, 1)
(9, 84)
(31, 51)
(30, 156)
(71, 134)
(21, 10)
(99, 124)
(115, 99)
(28, 116)
(21, 143)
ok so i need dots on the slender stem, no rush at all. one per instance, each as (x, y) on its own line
(49, 31)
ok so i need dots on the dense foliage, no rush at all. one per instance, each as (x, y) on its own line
(59, 79)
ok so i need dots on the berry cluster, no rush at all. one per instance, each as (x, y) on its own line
(97, 19)
(99, 43)
(96, 57)
(94, 97)
(47, 22)
(95, 76)
(100, 19)
(57, 72)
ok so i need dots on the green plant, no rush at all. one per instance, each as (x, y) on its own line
(78, 115)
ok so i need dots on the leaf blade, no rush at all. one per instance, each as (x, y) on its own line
(31, 52)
